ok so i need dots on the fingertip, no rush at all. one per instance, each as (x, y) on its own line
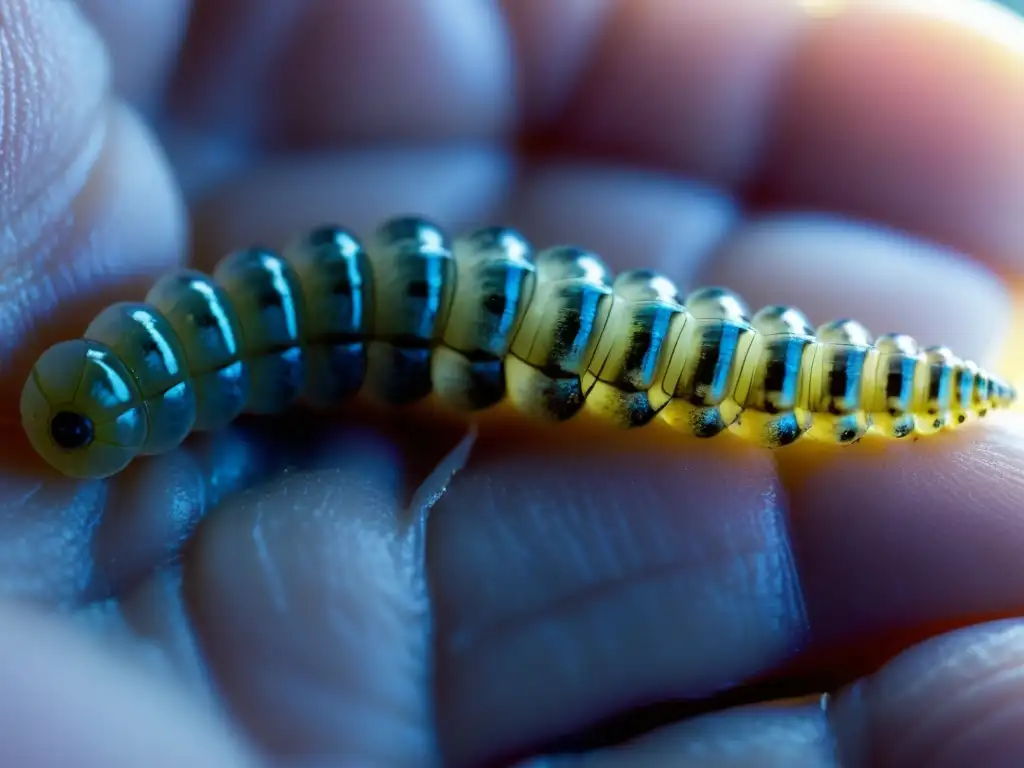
(908, 536)
(951, 701)
(123, 226)
(304, 592)
(907, 113)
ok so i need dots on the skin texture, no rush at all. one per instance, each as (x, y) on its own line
(396, 591)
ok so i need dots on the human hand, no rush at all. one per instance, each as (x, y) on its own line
(866, 164)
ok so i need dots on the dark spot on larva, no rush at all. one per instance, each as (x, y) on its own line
(418, 289)
(847, 435)
(563, 399)
(639, 345)
(71, 430)
(341, 288)
(486, 383)
(707, 366)
(496, 304)
(838, 382)
(708, 423)
(270, 300)
(894, 412)
(894, 384)
(961, 418)
(775, 375)
(785, 431)
(205, 320)
(937, 424)
(407, 378)
(569, 326)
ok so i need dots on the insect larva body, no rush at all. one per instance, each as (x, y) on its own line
(335, 280)
(707, 345)
(412, 270)
(837, 368)
(933, 395)
(770, 389)
(474, 321)
(264, 291)
(558, 333)
(889, 388)
(142, 339)
(622, 371)
(494, 282)
(208, 331)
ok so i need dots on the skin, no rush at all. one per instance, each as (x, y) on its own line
(410, 593)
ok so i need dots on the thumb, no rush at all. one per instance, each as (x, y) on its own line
(105, 713)
(88, 204)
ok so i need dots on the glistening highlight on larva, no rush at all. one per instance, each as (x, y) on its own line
(474, 321)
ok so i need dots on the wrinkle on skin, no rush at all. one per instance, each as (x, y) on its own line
(530, 555)
(65, 542)
(951, 701)
(344, 671)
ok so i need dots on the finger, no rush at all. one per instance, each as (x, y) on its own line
(362, 71)
(148, 626)
(88, 205)
(107, 713)
(923, 513)
(66, 542)
(949, 702)
(748, 112)
(143, 41)
(635, 572)
(904, 113)
(307, 595)
(781, 735)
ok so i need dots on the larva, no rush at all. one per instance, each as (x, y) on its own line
(474, 321)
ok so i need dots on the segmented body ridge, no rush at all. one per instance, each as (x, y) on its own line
(474, 320)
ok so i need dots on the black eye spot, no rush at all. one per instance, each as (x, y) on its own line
(71, 430)
(204, 320)
(496, 304)
(269, 300)
(418, 289)
(847, 435)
